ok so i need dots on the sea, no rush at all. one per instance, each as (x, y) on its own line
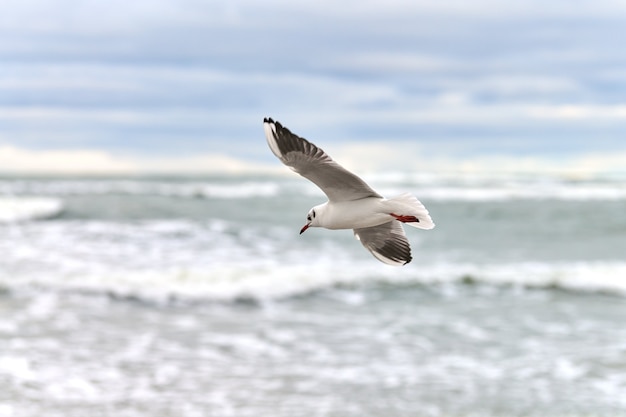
(196, 296)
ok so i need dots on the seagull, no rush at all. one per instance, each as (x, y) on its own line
(352, 204)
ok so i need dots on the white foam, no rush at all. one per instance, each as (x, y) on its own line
(425, 187)
(609, 276)
(17, 209)
(221, 259)
(272, 281)
(18, 368)
(190, 189)
(526, 192)
(266, 280)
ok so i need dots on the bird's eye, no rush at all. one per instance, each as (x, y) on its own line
(308, 218)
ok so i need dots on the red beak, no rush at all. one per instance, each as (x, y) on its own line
(306, 226)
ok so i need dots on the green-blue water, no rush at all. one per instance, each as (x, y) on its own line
(185, 297)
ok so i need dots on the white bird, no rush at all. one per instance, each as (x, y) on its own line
(352, 204)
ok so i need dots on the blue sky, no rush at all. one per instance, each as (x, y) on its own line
(137, 85)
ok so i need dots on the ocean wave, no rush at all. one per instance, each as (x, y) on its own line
(19, 209)
(186, 189)
(431, 188)
(268, 281)
(527, 192)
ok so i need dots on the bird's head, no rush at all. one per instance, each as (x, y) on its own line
(312, 218)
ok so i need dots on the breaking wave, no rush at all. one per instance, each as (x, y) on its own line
(19, 209)
(274, 282)
(436, 189)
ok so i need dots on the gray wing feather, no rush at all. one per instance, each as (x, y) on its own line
(314, 164)
(387, 242)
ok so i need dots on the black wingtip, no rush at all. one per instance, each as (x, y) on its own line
(268, 120)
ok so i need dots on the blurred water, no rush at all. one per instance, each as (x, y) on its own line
(173, 296)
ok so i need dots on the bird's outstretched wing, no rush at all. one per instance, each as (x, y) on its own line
(387, 242)
(313, 163)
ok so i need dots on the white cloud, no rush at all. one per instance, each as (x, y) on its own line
(408, 62)
(21, 161)
(522, 84)
(204, 73)
(362, 158)
(580, 112)
(15, 160)
(456, 8)
(377, 157)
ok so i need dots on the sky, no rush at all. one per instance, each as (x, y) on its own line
(183, 85)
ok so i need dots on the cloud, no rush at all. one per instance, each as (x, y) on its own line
(362, 158)
(573, 112)
(188, 78)
(379, 157)
(15, 160)
(394, 62)
(96, 162)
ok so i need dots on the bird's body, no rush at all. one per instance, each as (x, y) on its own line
(352, 204)
(354, 214)
(366, 212)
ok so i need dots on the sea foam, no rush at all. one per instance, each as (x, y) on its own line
(431, 188)
(17, 209)
(267, 281)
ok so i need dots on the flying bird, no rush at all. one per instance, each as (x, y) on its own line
(352, 204)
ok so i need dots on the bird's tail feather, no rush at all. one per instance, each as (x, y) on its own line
(409, 210)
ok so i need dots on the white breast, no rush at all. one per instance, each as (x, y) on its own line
(356, 214)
